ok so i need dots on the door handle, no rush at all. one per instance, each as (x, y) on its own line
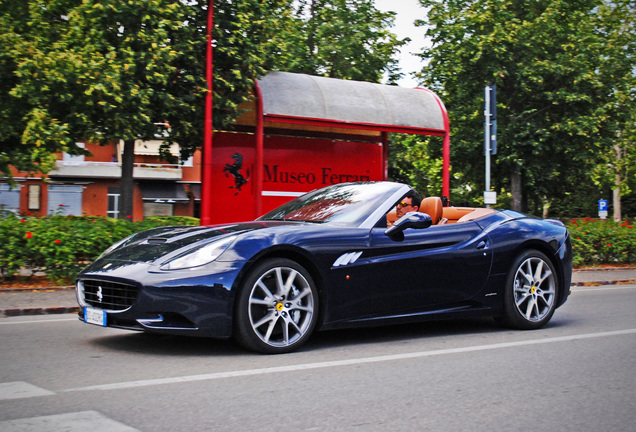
(482, 244)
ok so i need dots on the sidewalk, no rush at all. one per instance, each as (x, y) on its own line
(39, 301)
(25, 301)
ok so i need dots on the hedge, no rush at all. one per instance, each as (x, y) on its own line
(60, 246)
(602, 242)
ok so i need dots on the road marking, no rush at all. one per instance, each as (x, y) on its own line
(37, 321)
(340, 363)
(21, 390)
(71, 422)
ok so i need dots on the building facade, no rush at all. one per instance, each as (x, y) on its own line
(90, 185)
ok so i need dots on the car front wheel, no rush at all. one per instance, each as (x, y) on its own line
(276, 308)
(531, 291)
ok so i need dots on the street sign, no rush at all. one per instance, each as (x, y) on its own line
(490, 137)
(490, 197)
(602, 209)
(490, 119)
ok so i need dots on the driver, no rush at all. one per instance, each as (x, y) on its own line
(410, 202)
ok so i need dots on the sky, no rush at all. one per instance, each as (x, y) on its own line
(407, 12)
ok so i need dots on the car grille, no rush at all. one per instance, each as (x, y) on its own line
(109, 295)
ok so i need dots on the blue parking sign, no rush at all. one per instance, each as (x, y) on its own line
(602, 205)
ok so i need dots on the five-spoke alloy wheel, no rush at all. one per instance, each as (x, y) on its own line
(277, 307)
(531, 291)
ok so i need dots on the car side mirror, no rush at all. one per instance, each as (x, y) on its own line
(413, 219)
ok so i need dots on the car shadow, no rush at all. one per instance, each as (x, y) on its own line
(401, 332)
(168, 345)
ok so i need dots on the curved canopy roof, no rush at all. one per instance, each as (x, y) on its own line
(310, 99)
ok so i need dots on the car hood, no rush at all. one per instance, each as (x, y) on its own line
(155, 244)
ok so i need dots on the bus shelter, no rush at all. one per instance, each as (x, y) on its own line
(304, 132)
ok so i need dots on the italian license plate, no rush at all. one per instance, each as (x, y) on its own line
(95, 316)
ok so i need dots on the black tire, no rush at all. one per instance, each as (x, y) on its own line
(277, 307)
(531, 291)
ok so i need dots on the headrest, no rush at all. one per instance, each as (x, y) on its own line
(433, 207)
(391, 217)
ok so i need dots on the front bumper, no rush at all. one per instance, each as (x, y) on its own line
(186, 302)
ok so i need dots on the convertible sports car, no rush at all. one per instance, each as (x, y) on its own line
(327, 260)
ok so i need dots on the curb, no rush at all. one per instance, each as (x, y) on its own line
(32, 311)
(599, 283)
(602, 269)
(36, 289)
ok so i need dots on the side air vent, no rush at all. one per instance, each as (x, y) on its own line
(156, 240)
(346, 259)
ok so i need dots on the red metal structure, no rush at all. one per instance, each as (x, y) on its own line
(206, 163)
(304, 132)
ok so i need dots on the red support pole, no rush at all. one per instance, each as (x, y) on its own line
(446, 163)
(258, 168)
(206, 164)
(446, 146)
(385, 156)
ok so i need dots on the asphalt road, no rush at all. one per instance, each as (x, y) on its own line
(577, 374)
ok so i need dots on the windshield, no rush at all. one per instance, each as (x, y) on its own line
(348, 203)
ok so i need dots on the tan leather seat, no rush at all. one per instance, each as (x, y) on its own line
(476, 214)
(452, 214)
(433, 207)
(391, 217)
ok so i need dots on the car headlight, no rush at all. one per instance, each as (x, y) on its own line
(200, 256)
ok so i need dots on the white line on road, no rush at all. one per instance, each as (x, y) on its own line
(37, 321)
(340, 363)
(71, 422)
(21, 390)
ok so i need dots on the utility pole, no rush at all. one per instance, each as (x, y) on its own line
(490, 138)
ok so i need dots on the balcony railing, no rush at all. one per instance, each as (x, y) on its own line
(89, 169)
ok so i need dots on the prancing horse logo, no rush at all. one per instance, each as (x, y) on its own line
(233, 169)
(100, 295)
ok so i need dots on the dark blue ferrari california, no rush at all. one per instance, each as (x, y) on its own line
(327, 260)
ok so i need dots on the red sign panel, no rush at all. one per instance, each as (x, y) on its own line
(292, 166)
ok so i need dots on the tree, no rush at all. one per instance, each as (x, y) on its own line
(23, 142)
(249, 40)
(545, 57)
(617, 162)
(110, 71)
(75, 70)
(348, 39)
(417, 160)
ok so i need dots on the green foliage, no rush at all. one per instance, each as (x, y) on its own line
(248, 41)
(24, 142)
(61, 246)
(348, 39)
(75, 70)
(597, 242)
(565, 92)
(617, 163)
(416, 160)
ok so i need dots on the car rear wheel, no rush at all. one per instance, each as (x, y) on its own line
(531, 292)
(276, 308)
